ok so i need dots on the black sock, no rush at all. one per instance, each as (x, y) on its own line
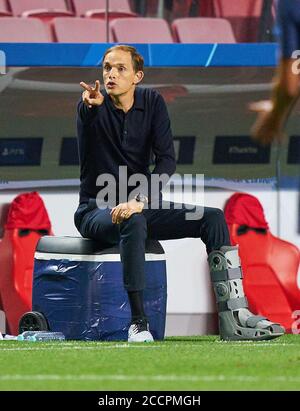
(136, 301)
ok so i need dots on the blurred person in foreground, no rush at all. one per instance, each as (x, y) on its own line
(273, 113)
(121, 126)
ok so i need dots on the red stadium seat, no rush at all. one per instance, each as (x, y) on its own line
(240, 8)
(203, 8)
(151, 8)
(44, 9)
(4, 9)
(142, 30)
(96, 8)
(23, 30)
(79, 30)
(27, 221)
(270, 265)
(203, 30)
(181, 9)
(244, 16)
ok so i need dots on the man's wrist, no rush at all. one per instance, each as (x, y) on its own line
(141, 198)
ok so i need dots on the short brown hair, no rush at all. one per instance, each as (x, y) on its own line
(137, 59)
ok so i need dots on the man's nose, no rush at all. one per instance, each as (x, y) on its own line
(113, 73)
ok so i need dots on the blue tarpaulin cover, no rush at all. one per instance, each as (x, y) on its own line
(86, 299)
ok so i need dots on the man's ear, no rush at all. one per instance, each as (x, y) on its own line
(139, 75)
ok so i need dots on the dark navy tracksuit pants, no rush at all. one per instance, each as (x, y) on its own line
(159, 224)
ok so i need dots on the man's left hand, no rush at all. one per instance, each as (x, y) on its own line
(125, 210)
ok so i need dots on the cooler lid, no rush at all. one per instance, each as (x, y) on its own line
(79, 245)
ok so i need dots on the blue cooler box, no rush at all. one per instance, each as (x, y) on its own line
(78, 287)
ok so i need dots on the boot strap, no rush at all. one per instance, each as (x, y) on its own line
(233, 304)
(252, 321)
(226, 275)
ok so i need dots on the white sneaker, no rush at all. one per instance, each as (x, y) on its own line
(139, 332)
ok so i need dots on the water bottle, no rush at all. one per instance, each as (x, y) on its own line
(46, 336)
(24, 336)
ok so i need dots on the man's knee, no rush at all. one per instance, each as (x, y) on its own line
(135, 223)
(215, 216)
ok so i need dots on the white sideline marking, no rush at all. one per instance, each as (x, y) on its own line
(99, 346)
(58, 347)
(121, 377)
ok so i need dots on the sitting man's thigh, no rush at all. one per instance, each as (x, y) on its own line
(97, 224)
(179, 221)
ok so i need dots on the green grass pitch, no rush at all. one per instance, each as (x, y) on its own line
(177, 363)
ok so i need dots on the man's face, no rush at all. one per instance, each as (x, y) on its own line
(118, 73)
